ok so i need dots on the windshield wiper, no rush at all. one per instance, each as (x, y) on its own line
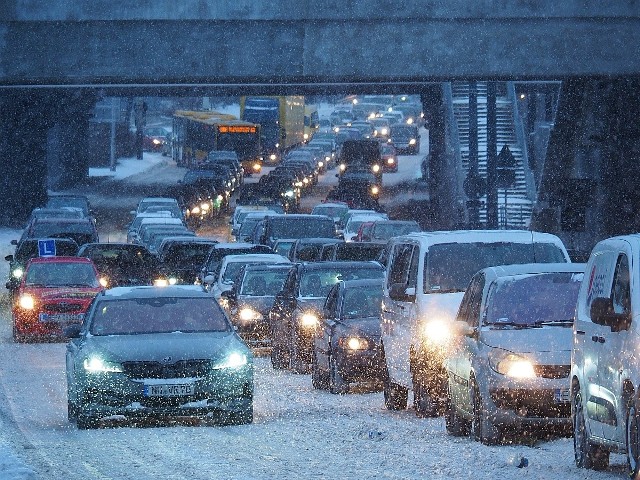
(446, 290)
(563, 323)
(513, 324)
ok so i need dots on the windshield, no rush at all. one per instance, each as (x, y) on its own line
(263, 283)
(450, 266)
(362, 302)
(157, 315)
(534, 299)
(317, 282)
(61, 274)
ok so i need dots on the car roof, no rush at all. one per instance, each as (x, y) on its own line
(336, 264)
(181, 291)
(480, 236)
(532, 268)
(256, 257)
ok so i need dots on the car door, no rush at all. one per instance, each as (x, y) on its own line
(588, 334)
(280, 311)
(612, 354)
(465, 348)
(397, 309)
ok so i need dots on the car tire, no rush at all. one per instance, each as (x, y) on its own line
(423, 402)
(586, 454)
(395, 396)
(337, 384)
(456, 425)
(278, 360)
(319, 379)
(484, 430)
(633, 439)
(296, 363)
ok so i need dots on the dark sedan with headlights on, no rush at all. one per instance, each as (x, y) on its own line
(157, 352)
(347, 346)
(297, 308)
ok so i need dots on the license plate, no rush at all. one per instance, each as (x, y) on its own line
(561, 395)
(62, 317)
(177, 390)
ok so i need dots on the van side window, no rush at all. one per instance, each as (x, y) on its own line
(621, 291)
(400, 264)
(471, 302)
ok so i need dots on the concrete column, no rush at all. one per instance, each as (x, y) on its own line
(25, 117)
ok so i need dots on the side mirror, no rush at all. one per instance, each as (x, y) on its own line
(463, 329)
(402, 293)
(72, 331)
(209, 279)
(14, 242)
(602, 313)
(9, 258)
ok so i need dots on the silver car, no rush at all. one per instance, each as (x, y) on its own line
(510, 365)
(157, 351)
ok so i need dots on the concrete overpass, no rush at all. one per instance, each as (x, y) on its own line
(56, 58)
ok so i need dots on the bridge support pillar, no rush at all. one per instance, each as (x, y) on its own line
(25, 118)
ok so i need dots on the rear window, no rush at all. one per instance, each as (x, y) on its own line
(297, 227)
(157, 315)
(450, 266)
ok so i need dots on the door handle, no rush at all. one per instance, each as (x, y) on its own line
(580, 332)
(598, 339)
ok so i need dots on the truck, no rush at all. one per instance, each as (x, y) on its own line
(281, 120)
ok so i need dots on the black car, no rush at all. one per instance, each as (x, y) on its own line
(358, 189)
(249, 301)
(296, 226)
(352, 251)
(346, 345)
(182, 258)
(297, 308)
(122, 264)
(81, 230)
(30, 248)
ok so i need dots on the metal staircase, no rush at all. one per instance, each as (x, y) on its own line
(515, 204)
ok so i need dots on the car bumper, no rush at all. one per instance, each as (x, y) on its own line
(360, 366)
(255, 334)
(29, 327)
(115, 394)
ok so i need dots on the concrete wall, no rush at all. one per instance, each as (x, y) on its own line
(291, 41)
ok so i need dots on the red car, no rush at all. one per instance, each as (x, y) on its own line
(54, 292)
(389, 157)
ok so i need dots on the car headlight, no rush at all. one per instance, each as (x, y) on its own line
(510, 364)
(305, 136)
(384, 131)
(173, 280)
(17, 273)
(273, 157)
(104, 282)
(249, 314)
(437, 332)
(375, 168)
(409, 121)
(391, 161)
(354, 343)
(412, 141)
(375, 190)
(309, 319)
(98, 365)
(156, 141)
(233, 360)
(256, 166)
(288, 193)
(342, 167)
(327, 158)
(160, 282)
(195, 210)
(305, 180)
(205, 206)
(321, 164)
(27, 302)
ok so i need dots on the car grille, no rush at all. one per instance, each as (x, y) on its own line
(552, 371)
(180, 369)
(63, 307)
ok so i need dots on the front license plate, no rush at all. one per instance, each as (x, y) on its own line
(561, 395)
(178, 390)
(62, 317)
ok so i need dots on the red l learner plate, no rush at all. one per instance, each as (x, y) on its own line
(178, 390)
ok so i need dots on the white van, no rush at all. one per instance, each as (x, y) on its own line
(426, 276)
(604, 364)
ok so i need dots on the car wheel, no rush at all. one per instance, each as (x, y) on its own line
(337, 384)
(319, 379)
(395, 396)
(633, 439)
(296, 363)
(456, 425)
(484, 430)
(423, 402)
(586, 454)
(278, 360)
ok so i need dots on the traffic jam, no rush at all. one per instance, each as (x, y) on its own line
(279, 260)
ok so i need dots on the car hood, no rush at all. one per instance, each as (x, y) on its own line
(62, 292)
(368, 327)
(260, 304)
(547, 345)
(159, 346)
(311, 303)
